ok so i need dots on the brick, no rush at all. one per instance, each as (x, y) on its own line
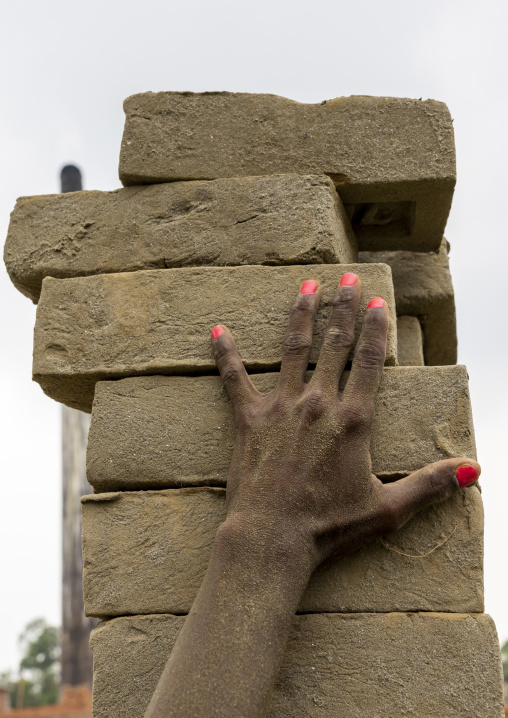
(285, 219)
(147, 552)
(423, 288)
(392, 159)
(162, 432)
(409, 342)
(404, 665)
(158, 321)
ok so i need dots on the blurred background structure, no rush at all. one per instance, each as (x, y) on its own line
(59, 662)
(76, 656)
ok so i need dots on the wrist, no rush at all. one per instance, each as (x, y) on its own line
(256, 554)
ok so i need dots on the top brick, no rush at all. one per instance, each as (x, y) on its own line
(391, 159)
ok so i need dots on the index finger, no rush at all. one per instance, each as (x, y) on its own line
(232, 371)
(369, 358)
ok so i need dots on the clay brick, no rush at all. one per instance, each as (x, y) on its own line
(423, 288)
(162, 432)
(285, 219)
(147, 552)
(392, 159)
(394, 665)
(409, 342)
(158, 321)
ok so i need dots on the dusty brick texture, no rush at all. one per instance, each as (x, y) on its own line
(408, 665)
(147, 552)
(391, 159)
(423, 288)
(284, 219)
(170, 431)
(409, 341)
(159, 321)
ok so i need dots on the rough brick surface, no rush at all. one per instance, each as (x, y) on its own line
(159, 321)
(392, 159)
(147, 552)
(409, 341)
(162, 432)
(391, 665)
(423, 288)
(285, 219)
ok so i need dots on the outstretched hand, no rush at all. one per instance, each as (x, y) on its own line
(301, 473)
(300, 489)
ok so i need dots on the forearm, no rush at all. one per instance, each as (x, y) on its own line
(226, 658)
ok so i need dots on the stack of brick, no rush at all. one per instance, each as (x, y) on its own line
(228, 200)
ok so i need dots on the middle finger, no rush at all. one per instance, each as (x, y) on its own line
(339, 336)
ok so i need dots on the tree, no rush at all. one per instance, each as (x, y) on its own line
(504, 658)
(38, 680)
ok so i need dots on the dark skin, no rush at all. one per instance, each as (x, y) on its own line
(300, 489)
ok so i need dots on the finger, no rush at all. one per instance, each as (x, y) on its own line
(234, 377)
(367, 368)
(297, 345)
(339, 336)
(432, 484)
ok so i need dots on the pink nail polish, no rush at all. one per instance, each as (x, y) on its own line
(376, 303)
(308, 287)
(348, 280)
(216, 332)
(466, 475)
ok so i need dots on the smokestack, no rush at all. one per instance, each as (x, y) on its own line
(70, 179)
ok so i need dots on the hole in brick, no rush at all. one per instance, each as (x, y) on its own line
(372, 220)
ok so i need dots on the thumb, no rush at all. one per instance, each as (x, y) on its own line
(430, 485)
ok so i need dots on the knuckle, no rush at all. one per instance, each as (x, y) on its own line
(338, 339)
(344, 304)
(221, 350)
(232, 373)
(302, 308)
(356, 416)
(314, 404)
(438, 485)
(370, 354)
(304, 304)
(296, 344)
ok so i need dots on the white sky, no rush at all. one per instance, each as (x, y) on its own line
(66, 68)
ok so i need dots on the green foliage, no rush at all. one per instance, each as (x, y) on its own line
(38, 680)
(504, 657)
(39, 645)
(21, 692)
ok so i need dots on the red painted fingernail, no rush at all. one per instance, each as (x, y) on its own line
(466, 475)
(376, 302)
(308, 287)
(216, 332)
(348, 279)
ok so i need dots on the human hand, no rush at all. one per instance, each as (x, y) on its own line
(300, 483)
(300, 489)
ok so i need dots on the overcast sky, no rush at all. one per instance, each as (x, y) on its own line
(66, 68)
